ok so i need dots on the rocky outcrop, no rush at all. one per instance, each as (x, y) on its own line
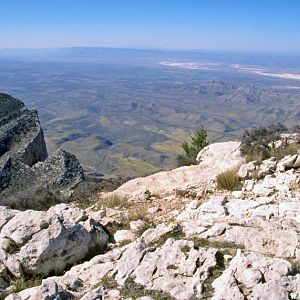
(21, 135)
(27, 175)
(213, 160)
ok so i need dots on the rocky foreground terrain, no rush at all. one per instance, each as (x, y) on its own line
(171, 235)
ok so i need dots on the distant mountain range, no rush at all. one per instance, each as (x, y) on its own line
(123, 112)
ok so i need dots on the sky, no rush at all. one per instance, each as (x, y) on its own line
(247, 25)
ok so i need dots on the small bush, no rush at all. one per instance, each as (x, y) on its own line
(176, 235)
(256, 156)
(133, 290)
(108, 283)
(198, 142)
(229, 180)
(258, 142)
(205, 243)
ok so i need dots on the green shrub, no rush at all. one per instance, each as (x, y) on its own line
(228, 180)
(258, 142)
(198, 142)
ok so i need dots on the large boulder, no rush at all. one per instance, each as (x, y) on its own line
(28, 177)
(43, 242)
(213, 160)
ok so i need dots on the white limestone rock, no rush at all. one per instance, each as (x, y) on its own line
(237, 208)
(246, 170)
(273, 238)
(211, 211)
(286, 163)
(136, 225)
(123, 236)
(265, 211)
(213, 160)
(152, 235)
(289, 210)
(249, 185)
(171, 270)
(129, 261)
(38, 242)
(237, 194)
(267, 166)
(245, 272)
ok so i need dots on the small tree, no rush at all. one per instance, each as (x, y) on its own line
(198, 142)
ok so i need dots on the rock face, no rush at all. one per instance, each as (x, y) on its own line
(25, 169)
(21, 135)
(213, 160)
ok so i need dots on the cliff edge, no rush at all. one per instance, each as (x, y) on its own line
(28, 177)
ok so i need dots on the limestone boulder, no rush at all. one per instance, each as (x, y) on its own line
(40, 242)
(153, 235)
(124, 236)
(267, 166)
(277, 238)
(213, 160)
(286, 163)
(246, 170)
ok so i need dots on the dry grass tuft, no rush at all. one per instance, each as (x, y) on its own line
(138, 213)
(114, 201)
(229, 180)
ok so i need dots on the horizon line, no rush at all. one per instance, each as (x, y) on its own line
(257, 51)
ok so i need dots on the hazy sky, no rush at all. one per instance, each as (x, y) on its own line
(189, 24)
